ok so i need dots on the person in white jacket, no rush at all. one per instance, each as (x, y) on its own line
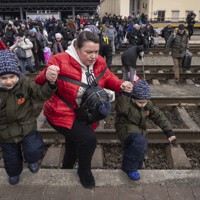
(21, 45)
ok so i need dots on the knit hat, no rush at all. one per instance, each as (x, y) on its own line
(92, 28)
(8, 63)
(141, 90)
(58, 35)
(34, 30)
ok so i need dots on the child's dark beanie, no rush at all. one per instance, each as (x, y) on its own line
(8, 63)
(141, 90)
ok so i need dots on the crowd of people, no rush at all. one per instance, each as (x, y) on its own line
(75, 66)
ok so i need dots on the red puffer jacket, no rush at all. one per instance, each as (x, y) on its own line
(56, 111)
(2, 45)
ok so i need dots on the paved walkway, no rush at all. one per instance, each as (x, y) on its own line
(110, 184)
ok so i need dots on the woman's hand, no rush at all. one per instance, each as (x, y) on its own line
(127, 86)
(52, 73)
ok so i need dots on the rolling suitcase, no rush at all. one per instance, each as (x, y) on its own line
(187, 59)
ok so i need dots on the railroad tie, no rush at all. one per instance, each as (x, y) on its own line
(177, 157)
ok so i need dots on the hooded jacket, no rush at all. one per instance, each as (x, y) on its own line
(132, 119)
(56, 111)
(16, 108)
(25, 44)
(178, 43)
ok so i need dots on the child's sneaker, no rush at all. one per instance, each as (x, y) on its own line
(34, 167)
(135, 175)
(13, 180)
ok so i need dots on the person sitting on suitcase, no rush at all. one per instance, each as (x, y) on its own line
(178, 42)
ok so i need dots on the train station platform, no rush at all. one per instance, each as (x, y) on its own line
(174, 24)
(61, 184)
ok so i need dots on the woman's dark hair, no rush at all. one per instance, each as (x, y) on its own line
(86, 36)
(20, 34)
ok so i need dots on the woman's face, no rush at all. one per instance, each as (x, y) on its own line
(58, 39)
(88, 53)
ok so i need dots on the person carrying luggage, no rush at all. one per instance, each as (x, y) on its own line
(178, 42)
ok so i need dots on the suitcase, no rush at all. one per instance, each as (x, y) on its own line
(187, 59)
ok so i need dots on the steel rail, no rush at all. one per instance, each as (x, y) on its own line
(109, 136)
(164, 75)
(194, 69)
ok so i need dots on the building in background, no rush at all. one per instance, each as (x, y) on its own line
(9, 9)
(157, 10)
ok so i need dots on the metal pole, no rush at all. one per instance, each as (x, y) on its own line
(143, 68)
(21, 13)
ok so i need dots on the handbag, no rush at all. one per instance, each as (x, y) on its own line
(125, 41)
(21, 53)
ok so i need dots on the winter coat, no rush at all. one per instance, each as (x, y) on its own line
(41, 40)
(26, 44)
(178, 44)
(132, 119)
(136, 37)
(129, 57)
(10, 33)
(56, 111)
(105, 50)
(16, 109)
(111, 33)
(166, 32)
(2, 45)
(59, 47)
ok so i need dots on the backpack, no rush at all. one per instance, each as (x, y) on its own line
(95, 103)
(21, 53)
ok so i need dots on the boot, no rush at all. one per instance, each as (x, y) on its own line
(34, 167)
(86, 178)
(134, 175)
(13, 180)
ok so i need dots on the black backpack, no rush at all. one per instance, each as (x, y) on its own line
(95, 103)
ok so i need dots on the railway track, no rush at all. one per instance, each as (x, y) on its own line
(159, 72)
(191, 134)
(194, 48)
(175, 155)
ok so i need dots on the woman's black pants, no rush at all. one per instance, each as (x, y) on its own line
(80, 144)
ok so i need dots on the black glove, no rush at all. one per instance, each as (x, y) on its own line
(169, 133)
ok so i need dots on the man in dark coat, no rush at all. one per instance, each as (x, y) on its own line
(166, 32)
(129, 59)
(190, 21)
(179, 43)
(136, 36)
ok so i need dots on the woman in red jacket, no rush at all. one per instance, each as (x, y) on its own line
(80, 58)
